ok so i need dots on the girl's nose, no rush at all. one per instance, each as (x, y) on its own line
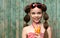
(36, 15)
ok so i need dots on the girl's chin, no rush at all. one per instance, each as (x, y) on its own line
(36, 21)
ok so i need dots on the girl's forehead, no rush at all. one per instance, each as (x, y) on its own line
(36, 10)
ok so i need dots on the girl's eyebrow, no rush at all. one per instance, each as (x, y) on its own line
(39, 12)
(33, 12)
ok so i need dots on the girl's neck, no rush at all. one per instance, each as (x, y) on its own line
(36, 24)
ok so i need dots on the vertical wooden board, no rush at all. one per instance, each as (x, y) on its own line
(17, 17)
(8, 15)
(3, 35)
(3, 25)
(1, 17)
(13, 18)
(58, 18)
(21, 18)
(52, 12)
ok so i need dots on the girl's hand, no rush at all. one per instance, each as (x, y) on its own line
(37, 36)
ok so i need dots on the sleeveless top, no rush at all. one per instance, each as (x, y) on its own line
(33, 35)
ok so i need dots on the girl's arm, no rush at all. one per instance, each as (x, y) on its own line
(49, 30)
(24, 33)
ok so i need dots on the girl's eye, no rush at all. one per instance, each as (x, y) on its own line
(39, 13)
(33, 12)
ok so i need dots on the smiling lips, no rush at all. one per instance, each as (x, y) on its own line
(36, 18)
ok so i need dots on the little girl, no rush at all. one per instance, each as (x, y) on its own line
(35, 11)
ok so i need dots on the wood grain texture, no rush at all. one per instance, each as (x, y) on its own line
(12, 14)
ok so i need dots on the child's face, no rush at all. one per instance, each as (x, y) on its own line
(36, 14)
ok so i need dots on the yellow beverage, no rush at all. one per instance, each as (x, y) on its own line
(37, 30)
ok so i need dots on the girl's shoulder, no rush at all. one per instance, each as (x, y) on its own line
(49, 28)
(27, 27)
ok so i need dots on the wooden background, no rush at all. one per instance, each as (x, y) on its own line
(12, 13)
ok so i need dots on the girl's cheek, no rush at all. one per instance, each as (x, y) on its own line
(32, 15)
(40, 15)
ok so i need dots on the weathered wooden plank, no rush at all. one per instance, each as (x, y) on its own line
(13, 18)
(21, 18)
(58, 19)
(1, 18)
(17, 18)
(8, 10)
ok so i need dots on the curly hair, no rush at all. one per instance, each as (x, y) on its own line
(45, 17)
